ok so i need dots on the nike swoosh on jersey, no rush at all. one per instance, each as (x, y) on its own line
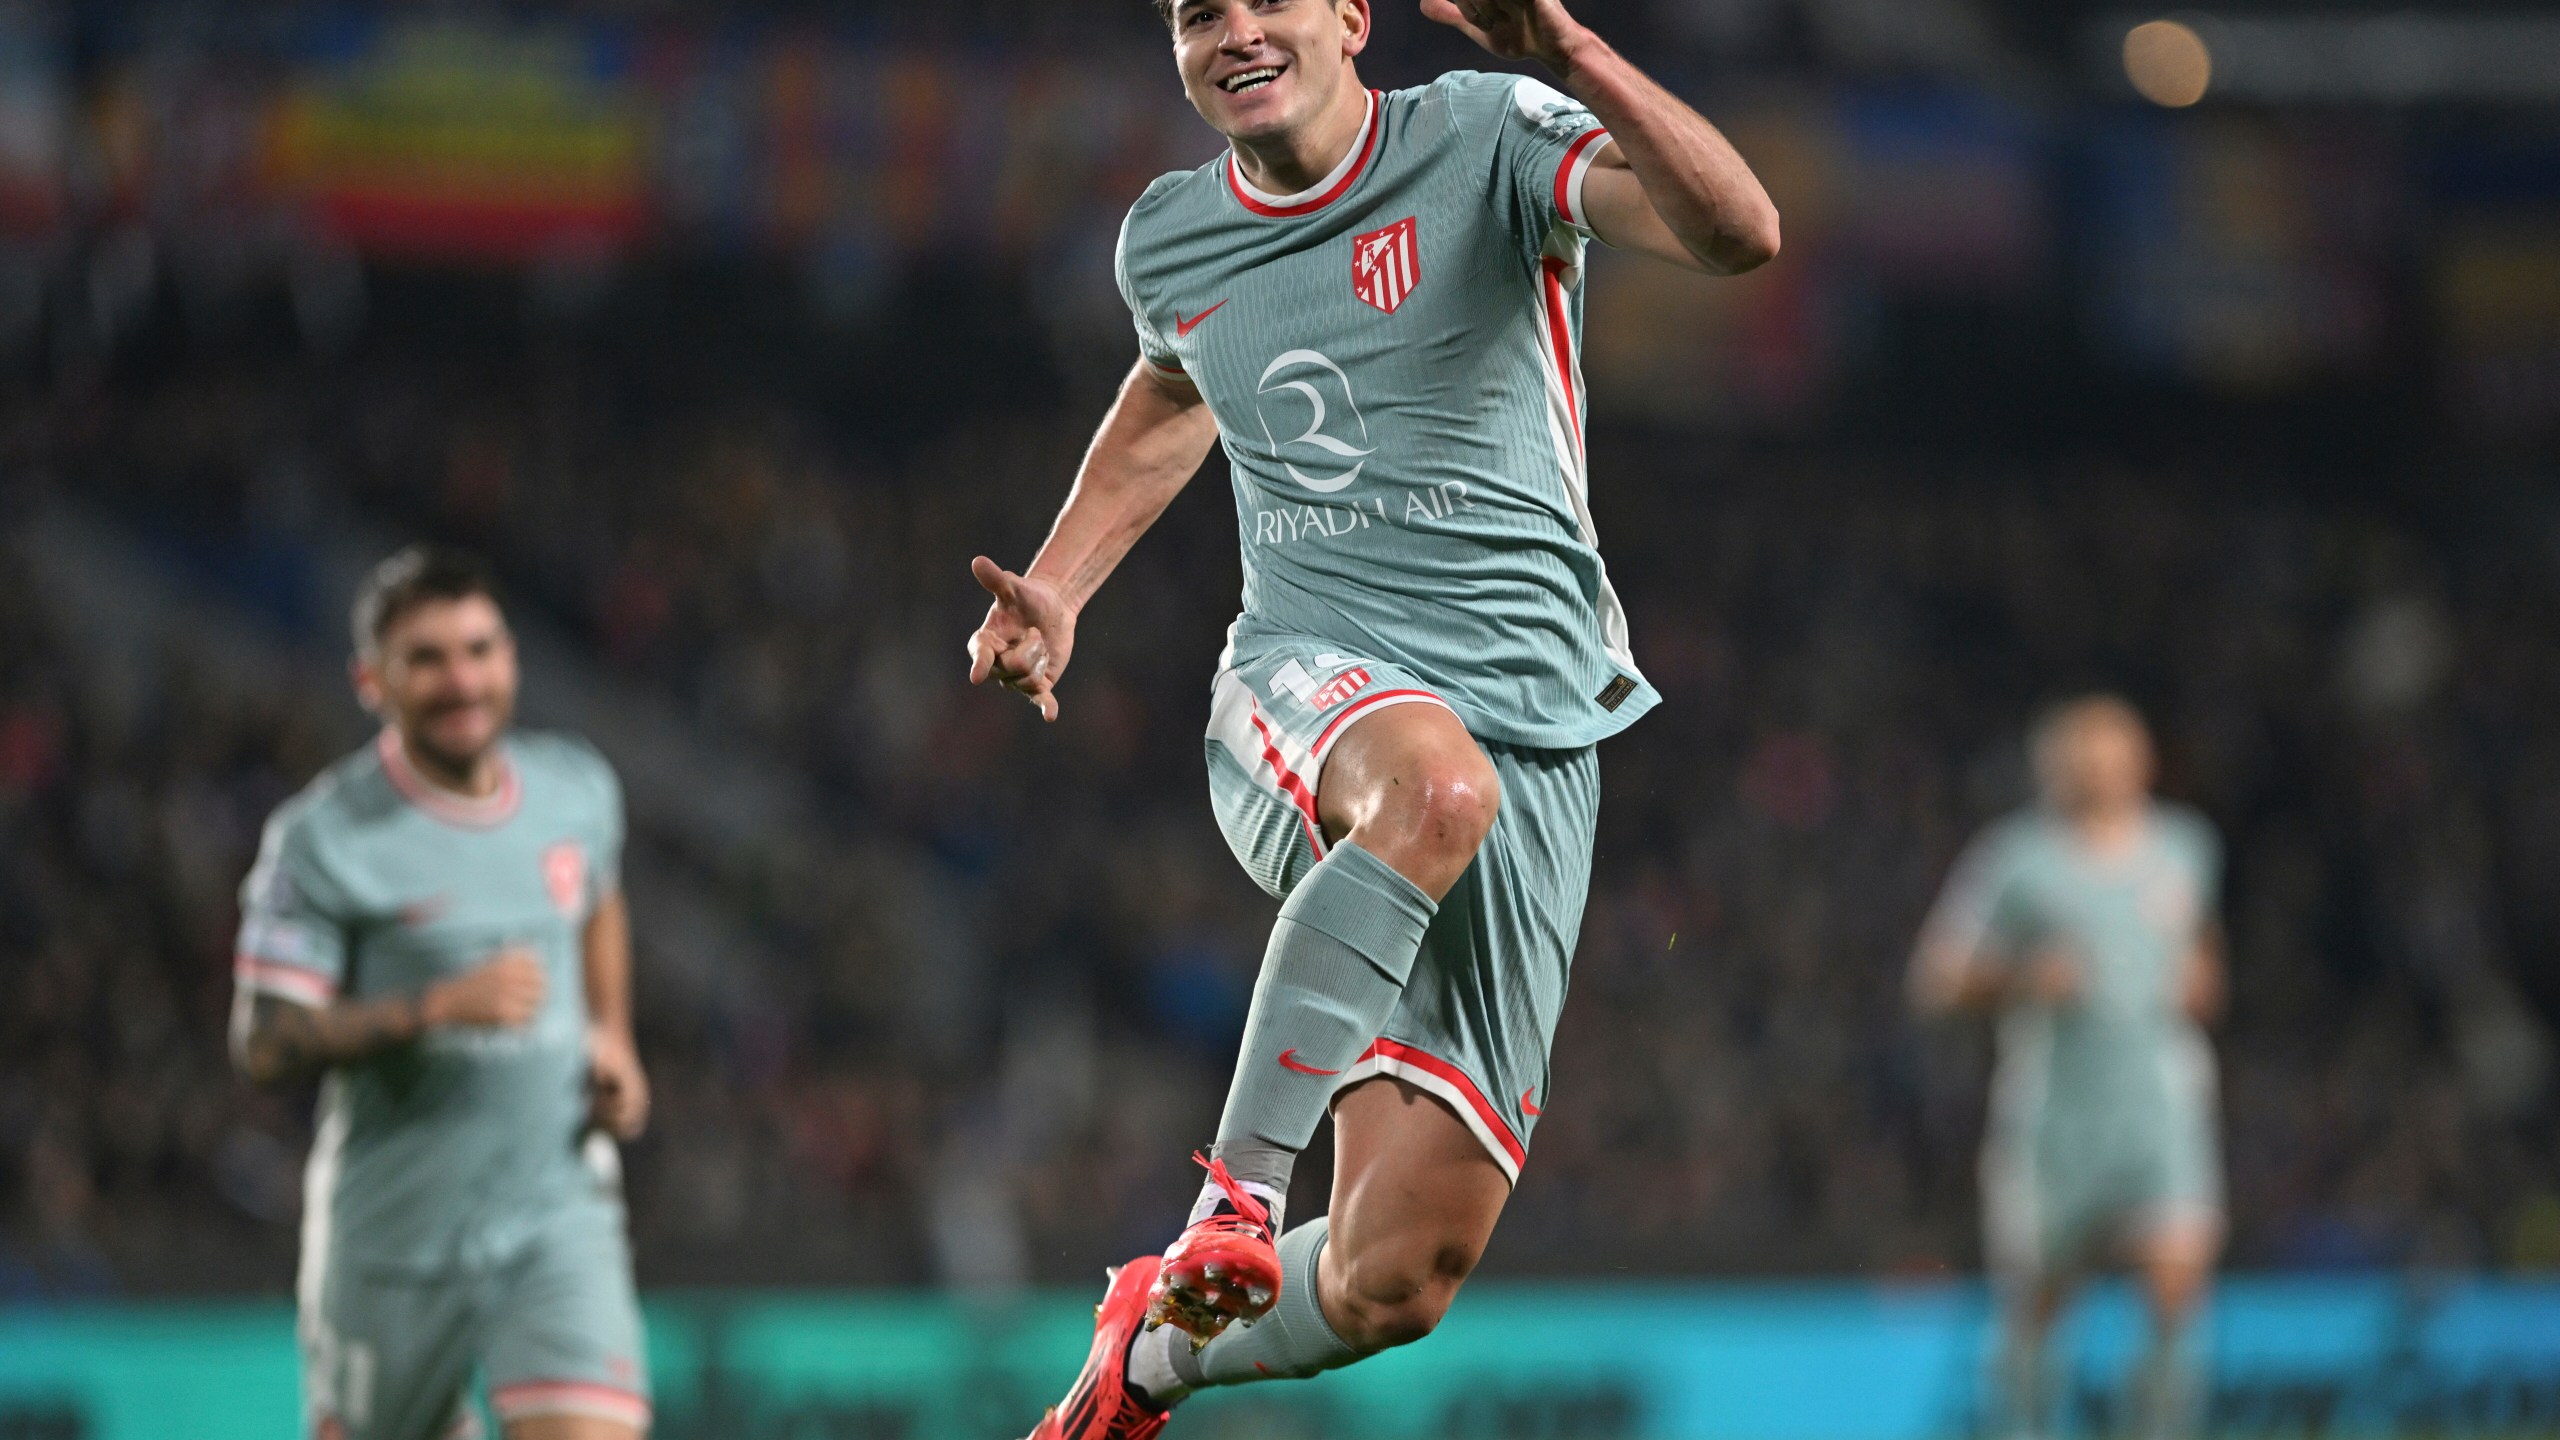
(1529, 1103)
(1289, 1061)
(1182, 328)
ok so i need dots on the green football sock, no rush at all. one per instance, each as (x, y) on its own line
(2025, 1390)
(2167, 1397)
(1339, 956)
(1293, 1342)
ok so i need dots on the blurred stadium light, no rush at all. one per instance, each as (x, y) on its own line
(2168, 62)
(2403, 57)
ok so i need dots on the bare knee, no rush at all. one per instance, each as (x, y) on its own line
(1409, 785)
(2177, 1263)
(1428, 818)
(2177, 1292)
(1394, 1294)
(1444, 809)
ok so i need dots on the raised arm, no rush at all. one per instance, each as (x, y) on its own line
(1149, 447)
(1671, 186)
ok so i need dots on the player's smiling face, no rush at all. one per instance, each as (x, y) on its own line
(444, 675)
(1259, 69)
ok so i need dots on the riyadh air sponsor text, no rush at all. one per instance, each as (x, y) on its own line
(1289, 524)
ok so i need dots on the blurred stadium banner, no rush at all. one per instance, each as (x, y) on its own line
(2252, 249)
(465, 142)
(2362, 1355)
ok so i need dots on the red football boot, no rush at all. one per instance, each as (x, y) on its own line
(1222, 1270)
(1099, 1406)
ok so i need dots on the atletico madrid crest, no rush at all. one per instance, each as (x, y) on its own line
(1386, 265)
(564, 874)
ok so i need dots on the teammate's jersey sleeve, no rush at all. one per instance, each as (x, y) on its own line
(1544, 142)
(293, 937)
(2208, 852)
(1152, 347)
(607, 872)
(2198, 848)
(1979, 913)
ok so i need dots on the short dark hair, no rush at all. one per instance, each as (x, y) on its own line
(418, 575)
(2053, 714)
(1164, 11)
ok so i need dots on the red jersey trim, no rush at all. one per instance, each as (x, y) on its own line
(1339, 188)
(1560, 338)
(1569, 173)
(1394, 1057)
(1324, 741)
(569, 1397)
(296, 983)
(1290, 785)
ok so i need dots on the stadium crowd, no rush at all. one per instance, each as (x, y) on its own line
(998, 990)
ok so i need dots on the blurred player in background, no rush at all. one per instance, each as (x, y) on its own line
(1375, 300)
(436, 927)
(2086, 925)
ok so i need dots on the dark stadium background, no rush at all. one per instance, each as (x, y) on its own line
(730, 334)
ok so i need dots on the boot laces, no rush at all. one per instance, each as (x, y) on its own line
(1250, 1210)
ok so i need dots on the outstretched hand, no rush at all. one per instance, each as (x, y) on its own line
(1026, 638)
(1513, 29)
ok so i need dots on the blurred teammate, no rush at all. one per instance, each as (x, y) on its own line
(436, 925)
(2087, 926)
(1374, 301)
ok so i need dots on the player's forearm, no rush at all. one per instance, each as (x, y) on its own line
(1952, 983)
(606, 962)
(275, 1042)
(1148, 448)
(1697, 182)
(2204, 989)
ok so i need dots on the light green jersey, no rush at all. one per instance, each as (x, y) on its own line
(452, 1151)
(1393, 361)
(2125, 1059)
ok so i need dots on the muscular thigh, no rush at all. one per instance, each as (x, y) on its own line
(1276, 717)
(1411, 1182)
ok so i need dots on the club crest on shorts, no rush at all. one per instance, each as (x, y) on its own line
(1340, 688)
(564, 874)
(1386, 264)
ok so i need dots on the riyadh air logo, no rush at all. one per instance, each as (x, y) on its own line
(1310, 377)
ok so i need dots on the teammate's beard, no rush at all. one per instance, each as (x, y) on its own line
(445, 763)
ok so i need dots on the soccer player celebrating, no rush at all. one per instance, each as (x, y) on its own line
(1374, 302)
(436, 925)
(2086, 925)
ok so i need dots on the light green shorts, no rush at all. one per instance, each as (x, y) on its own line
(389, 1355)
(2080, 1183)
(1479, 1014)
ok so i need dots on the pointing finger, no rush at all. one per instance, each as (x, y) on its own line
(997, 581)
